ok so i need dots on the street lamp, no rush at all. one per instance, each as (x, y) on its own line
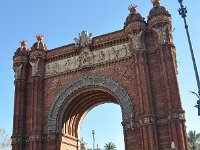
(93, 139)
(183, 11)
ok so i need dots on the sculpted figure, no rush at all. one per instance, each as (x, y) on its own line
(34, 67)
(86, 59)
(17, 70)
(55, 68)
(136, 38)
(101, 56)
(125, 50)
(115, 53)
(161, 32)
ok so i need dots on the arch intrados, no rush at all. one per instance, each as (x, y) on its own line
(81, 103)
(86, 97)
(89, 96)
(72, 101)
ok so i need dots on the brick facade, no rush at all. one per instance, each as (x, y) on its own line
(49, 108)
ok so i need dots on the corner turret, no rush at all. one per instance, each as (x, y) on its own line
(19, 59)
(159, 22)
(135, 27)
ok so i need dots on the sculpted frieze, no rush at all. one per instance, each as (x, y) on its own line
(88, 58)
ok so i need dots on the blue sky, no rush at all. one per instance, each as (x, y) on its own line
(61, 21)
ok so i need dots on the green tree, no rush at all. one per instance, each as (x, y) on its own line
(194, 140)
(110, 146)
(4, 139)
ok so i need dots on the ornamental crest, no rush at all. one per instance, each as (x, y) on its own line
(83, 40)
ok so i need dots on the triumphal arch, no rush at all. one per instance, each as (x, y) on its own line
(134, 67)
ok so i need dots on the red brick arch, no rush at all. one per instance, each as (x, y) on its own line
(72, 104)
(117, 94)
(134, 67)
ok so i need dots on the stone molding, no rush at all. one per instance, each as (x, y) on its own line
(148, 118)
(34, 138)
(106, 83)
(145, 120)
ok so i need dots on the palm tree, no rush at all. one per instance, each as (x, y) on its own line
(194, 140)
(110, 146)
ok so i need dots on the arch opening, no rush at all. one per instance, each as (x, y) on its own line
(105, 120)
(72, 105)
(80, 104)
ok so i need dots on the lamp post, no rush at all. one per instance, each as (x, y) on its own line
(93, 139)
(183, 11)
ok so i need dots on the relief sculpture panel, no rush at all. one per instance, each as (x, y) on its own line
(88, 58)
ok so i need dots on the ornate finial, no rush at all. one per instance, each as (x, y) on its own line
(156, 3)
(23, 50)
(40, 37)
(23, 43)
(84, 39)
(39, 44)
(132, 8)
